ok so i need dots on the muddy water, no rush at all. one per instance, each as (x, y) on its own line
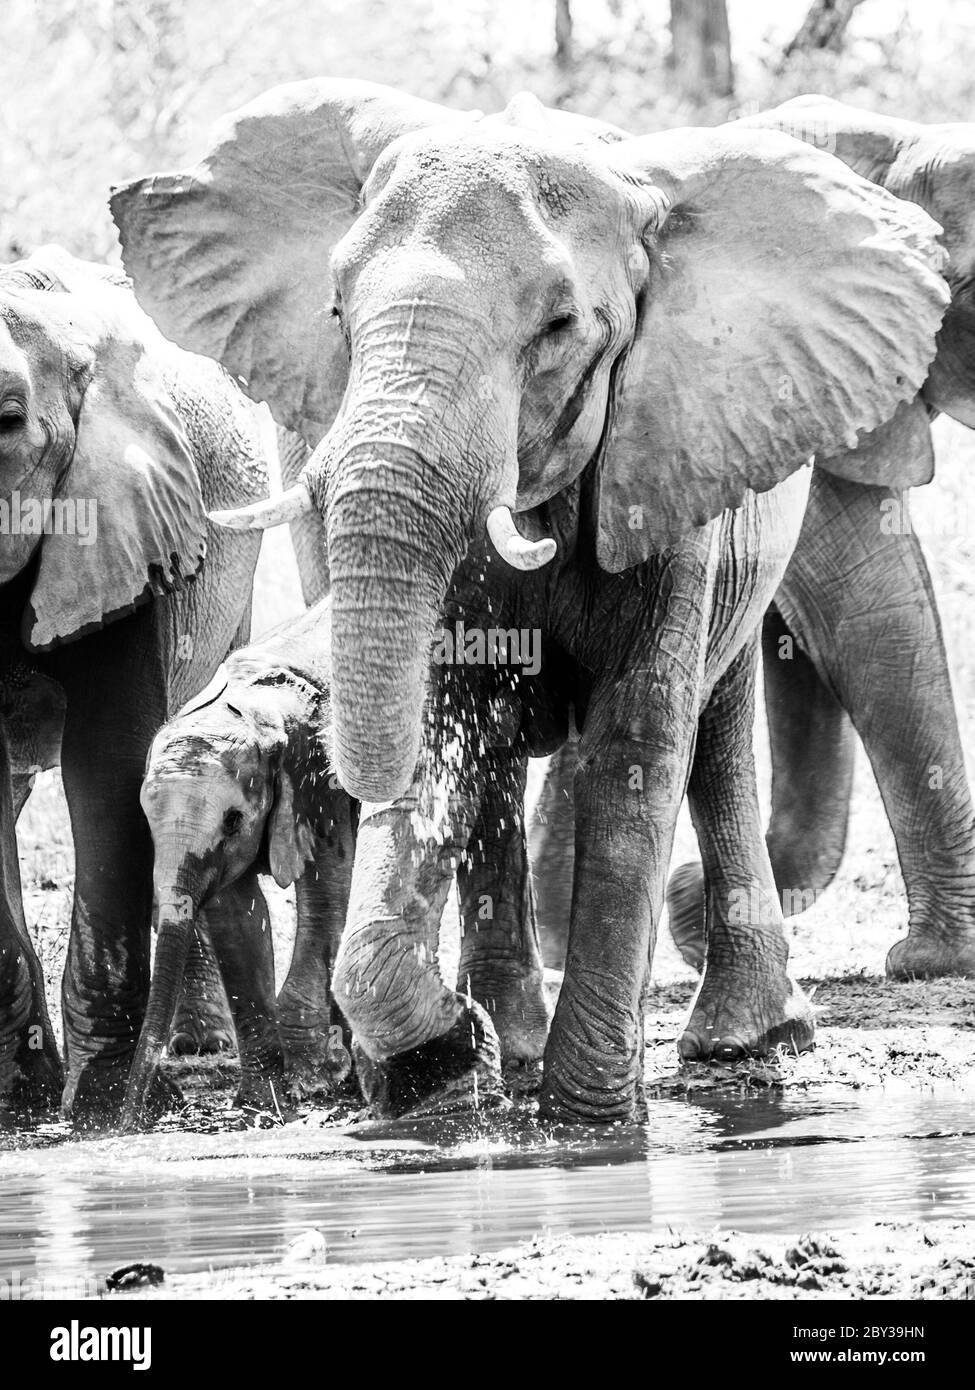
(74, 1210)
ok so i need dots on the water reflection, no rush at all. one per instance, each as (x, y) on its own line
(772, 1164)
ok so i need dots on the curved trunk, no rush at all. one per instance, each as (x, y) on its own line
(177, 916)
(402, 481)
(387, 597)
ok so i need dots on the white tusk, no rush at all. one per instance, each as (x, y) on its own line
(520, 553)
(275, 511)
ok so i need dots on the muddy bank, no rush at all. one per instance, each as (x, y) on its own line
(887, 1261)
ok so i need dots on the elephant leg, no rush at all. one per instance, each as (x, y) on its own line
(315, 1036)
(746, 1003)
(30, 1067)
(500, 965)
(203, 1023)
(813, 748)
(419, 1044)
(240, 928)
(551, 850)
(115, 683)
(635, 753)
(858, 596)
(21, 786)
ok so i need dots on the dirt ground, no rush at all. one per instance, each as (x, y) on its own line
(870, 1033)
(888, 1261)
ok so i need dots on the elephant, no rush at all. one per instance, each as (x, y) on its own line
(113, 444)
(238, 783)
(855, 617)
(613, 337)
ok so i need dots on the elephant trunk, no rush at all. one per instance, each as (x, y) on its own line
(408, 473)
(388, 588)
(177, 920)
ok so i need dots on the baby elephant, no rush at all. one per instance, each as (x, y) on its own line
(239, 784)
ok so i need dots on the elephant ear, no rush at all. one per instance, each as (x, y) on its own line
(128, 520)
(899, 454)
(933, 166)
(231, 258)
(291, 839)
(790, 307)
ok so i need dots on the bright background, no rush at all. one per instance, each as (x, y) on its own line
(99, 92)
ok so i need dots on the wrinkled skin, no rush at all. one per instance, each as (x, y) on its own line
(857, 600)
(95, 406)
(238, 784)
(528, 329)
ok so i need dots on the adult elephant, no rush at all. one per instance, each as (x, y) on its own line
(113, 445)
(615, 338)
(853, 645)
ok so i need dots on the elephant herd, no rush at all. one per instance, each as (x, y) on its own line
(575, 423)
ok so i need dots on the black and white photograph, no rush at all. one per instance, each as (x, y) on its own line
(487, 696)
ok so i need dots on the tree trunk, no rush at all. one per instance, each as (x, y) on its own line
(563, 35)
(823, 27)
(700, 52)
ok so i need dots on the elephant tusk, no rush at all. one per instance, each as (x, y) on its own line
(275, 511)
(520, 553)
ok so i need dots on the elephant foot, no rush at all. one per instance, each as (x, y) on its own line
(591, 1077)
(93, 1096)
(263, 1093)
(924, 956)
(523, 1078)
(739, 1013)
(685, 913)
(317, 1060)
(263, 1085)
(519, 1009)
(31, 1086)
(563, 1100)
(458, 1071)
(201, 1030)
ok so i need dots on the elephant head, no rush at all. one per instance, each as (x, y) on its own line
(98, 486)
(933, 166)
(236, 780)
(525, 300)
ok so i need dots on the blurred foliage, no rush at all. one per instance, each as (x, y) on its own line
(98, 92)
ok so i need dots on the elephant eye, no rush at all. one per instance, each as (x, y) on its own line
(12, 418)
(558, 324)
(232, 821)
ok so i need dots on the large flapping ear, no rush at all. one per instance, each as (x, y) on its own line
(291, 840)
(933, 166)
(791, 306)
(128, 519)
(899, 454)
(231, 258)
